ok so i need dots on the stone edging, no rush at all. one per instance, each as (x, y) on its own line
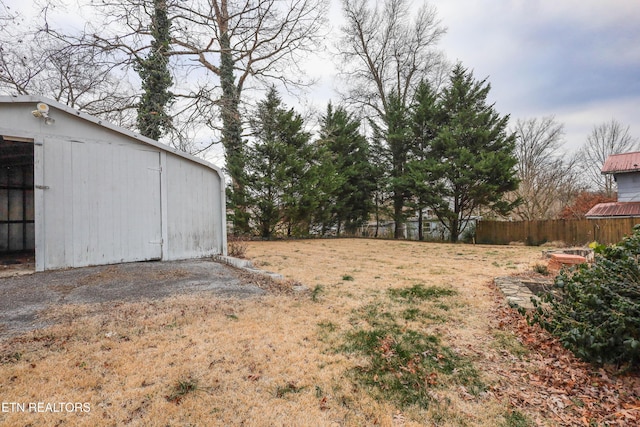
(246, 265)
(517, 294)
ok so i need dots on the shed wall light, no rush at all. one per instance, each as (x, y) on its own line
(42, 111)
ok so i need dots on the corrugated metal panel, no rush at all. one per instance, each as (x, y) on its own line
(191, 230)
(102, 203)
(614, 209)
(622, 163)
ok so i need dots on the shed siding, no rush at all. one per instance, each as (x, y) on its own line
(191, 228)
(103, 205)
(628, 187)
(105, 195)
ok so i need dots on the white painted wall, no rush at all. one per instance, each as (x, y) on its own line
(628, 187)
(191, 231)
(101, 203)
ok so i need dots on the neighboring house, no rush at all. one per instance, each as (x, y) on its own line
(77, 191)
(625, 169)
(432, 228)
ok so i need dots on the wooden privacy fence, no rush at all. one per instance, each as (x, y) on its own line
(571, 232)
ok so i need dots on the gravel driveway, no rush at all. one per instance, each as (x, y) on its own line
(22, 298)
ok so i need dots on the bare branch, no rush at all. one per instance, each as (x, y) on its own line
(605, 139)
(548, 178)
(384, 50)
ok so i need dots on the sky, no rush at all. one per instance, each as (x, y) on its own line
(578, 60)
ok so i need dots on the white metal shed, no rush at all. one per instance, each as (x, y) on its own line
(79, 191)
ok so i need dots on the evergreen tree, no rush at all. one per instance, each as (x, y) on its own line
(282, 170)
(393, 144)
(475, 155)
(421, 166)
(328, 183)
(353, 177)
(153, 119)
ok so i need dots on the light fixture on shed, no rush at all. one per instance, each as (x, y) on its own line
(42, 111)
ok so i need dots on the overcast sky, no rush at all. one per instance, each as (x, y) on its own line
(576, 59)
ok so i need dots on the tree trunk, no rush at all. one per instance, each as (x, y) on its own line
(455, 229)
(377, 214)
(398, 204)
(420, 231)
(232, 138)
(153, 119)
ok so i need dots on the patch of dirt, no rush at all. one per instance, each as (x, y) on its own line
(16, 263)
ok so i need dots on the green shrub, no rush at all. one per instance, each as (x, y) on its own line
(541, 269)
(595, 311)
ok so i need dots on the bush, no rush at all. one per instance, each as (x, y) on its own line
(596, 310)
(237, 246)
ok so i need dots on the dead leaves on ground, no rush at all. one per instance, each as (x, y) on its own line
(553, 383)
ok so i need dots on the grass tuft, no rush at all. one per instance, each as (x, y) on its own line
(420, 292)
(402, 364)
(11, 357)
(507, 341)
(541, 269)
(290, 387)
(315, 293)
(182, 388)
(327, 326)
(237, 246)
(516, 419)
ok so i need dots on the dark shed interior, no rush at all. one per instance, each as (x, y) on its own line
(17, 216)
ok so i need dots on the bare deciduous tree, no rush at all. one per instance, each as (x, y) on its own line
(264, 39)
(548, 179)
(388, 48)
(605, 139)
(81, 77)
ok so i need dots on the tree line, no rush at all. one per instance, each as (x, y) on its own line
(412, 132)
(449, 152)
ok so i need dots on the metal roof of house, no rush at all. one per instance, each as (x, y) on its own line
(622, 163)
(626, 209)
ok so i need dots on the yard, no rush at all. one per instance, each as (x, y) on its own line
(387, 333)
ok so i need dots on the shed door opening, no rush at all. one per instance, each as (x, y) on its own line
(17, 224)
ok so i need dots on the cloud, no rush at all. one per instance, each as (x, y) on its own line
(580, 120)
(578, 60)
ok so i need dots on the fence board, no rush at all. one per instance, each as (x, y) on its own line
(572, 232)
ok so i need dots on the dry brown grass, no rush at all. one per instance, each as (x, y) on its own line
(270, 360)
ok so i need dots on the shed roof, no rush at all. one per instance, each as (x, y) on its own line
(33, 99)
(622, 163)
(618, 209)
